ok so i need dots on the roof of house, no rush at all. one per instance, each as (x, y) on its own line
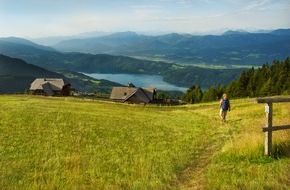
(149, 92)
(48, 84)
(139, 92)
(47, 89)
(125, 93)
(121, 93)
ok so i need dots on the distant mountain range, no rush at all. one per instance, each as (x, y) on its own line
(181, 75)
(20, 41)
(53, 40)
(171, 56)
(231, 48)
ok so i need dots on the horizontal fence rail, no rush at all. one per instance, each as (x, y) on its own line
(276, 128)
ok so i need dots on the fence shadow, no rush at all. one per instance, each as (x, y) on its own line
(281, 150)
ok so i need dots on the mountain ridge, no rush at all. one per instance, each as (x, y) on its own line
(17, 40)
(104, 63)
(186, 48)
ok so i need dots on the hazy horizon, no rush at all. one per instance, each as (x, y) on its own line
(45, 18)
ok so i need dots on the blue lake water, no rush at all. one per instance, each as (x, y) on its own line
(139, 80)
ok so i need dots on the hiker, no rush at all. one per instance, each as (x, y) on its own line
(224, 107)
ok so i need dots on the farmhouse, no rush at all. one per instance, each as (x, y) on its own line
(50, 87)
(132, 94)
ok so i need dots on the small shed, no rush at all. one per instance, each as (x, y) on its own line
(50, 87)
(132, 94)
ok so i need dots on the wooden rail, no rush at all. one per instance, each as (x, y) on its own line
(269, 121)
(276, 128)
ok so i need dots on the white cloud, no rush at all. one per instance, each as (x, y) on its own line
(147, 12)
(257, 5)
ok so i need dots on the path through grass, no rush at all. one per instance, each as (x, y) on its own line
(66, 143)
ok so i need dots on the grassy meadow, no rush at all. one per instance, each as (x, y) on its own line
(68, 143)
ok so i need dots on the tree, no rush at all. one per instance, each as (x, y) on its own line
(220, 91)
(162, 95)
(213, 93)
(265, 89)
(197, 94)
(232, 89)
(251, 87)
(193, 95)
(266, 80)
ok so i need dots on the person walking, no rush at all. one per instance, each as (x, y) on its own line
(224, 107)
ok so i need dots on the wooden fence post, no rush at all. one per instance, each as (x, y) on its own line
(268, 129)
(269, 122)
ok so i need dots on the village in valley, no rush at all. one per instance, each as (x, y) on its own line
(126, 94)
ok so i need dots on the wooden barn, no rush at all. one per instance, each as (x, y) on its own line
(50, 87)
(132, 94)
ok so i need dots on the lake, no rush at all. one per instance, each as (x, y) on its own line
(139, 80)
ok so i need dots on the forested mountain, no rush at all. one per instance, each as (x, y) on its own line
(268, 80)
(231, 48)
(16, 76)
(14, 66)
(181, 75)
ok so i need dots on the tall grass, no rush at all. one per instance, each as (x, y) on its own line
(241, 163)
(66, 143)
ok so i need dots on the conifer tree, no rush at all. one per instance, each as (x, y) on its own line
(265, 81)
(265, 89)
(209, 95)
(193, 95)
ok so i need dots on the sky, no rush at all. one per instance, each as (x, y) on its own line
(41, 18)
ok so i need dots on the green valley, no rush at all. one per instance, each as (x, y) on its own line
(223, 58)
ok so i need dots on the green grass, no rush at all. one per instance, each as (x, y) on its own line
(241, 163)
(67, 143)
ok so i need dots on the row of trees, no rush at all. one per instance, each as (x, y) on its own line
(264, 81)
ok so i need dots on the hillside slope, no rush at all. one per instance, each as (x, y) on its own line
(66, 143)
(14, 66)
(16, 76)
(22, 41)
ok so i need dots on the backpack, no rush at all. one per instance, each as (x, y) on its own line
(225, 105)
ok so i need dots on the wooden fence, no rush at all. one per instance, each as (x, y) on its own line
(268, 129)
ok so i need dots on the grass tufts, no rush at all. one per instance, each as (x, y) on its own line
(67, 143)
